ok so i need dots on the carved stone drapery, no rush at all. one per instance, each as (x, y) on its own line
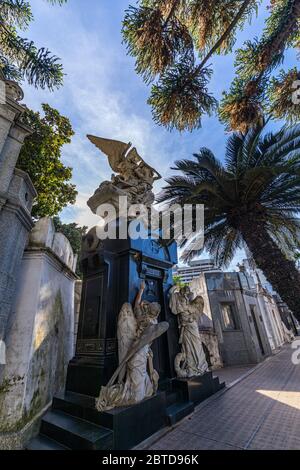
(136, 377)
(191, 361)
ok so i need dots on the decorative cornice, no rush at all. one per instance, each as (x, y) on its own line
(13, 205)
(52, 257)
(27, 180)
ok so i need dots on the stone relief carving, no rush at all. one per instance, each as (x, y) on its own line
(191, 360)
(134, 178)
(135, 379)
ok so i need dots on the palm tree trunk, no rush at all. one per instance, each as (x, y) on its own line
(279, 271)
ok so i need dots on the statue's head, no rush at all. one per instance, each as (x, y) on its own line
(145, 305)
(155, 309)
(151, 309)
(185, 290)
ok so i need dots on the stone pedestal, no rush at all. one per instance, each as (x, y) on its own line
(133, 424)
(197, 389)
(112, 274)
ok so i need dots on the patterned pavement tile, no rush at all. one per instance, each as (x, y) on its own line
(186, 441)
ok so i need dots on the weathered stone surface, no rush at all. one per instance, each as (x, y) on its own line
(9, 112)
(10, 154)
(40, 335)
(17, 440)
(62, 248)
(77, 300)
(43, 236)
(15, 223)
(2, 352)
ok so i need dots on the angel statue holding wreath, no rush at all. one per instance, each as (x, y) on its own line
(135, 379)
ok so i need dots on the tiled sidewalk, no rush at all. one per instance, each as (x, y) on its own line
(262, 411)
(230, 374)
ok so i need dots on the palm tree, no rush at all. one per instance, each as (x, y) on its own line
(253, 199)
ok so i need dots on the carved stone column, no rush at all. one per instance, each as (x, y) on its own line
(16, 198)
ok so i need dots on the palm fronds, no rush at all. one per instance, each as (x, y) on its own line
(259, 182)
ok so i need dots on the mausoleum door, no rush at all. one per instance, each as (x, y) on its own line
(154, 293)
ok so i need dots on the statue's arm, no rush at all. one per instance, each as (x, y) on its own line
(139, 296)
(174, 300)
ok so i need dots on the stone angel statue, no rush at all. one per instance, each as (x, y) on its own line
(135, 379)
(191, 361)
(133, 175)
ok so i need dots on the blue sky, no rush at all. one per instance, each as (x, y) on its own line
(102, 94)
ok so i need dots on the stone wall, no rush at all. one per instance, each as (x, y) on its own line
(287, 317)
(248, 341)
(40, 333)
(271, 317)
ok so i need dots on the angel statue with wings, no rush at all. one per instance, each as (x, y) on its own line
(191, 361)
(133, 177)
(135, 379)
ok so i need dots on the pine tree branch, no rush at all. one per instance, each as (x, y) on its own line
(225, 35)
(171, 12)
(19, 57)
(37, 65)
(16, 12)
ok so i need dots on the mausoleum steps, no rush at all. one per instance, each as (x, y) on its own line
(174, 397)
(42, 442)
(75, 433)
(76, 405)
(79, 406)
(74, 422)
(217, 386)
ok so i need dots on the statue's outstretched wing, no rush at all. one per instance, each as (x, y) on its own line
(151, 333)
(173, 293)
(113, 149)
(126, 333)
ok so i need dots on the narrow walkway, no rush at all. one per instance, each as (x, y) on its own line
(232, 373)
(262, 411)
